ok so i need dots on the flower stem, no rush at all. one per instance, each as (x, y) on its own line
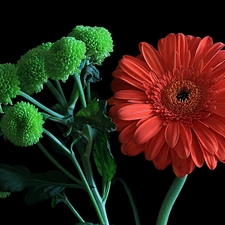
(41, 106)
(102, 218)
(133, 205)
(80, 88)
(56, 93)
(169, 200)
(70, 206)
(57, 164)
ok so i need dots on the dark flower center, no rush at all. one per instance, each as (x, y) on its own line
(183, 95)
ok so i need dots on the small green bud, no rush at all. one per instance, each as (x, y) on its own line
(64, 58)
(98, 41)
(9, 83)
(22, 124)
(31, 70)
(4, 194)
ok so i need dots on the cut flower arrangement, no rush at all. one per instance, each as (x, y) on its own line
(168, 104)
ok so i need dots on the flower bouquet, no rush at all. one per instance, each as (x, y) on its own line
(167, 104)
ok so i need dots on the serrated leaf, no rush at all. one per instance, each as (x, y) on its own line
(94, 115)
(40, 186)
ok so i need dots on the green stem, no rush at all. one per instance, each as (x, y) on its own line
(132, 202)
(58, 85)
(90, 178)
(73, 97)
(50, 135)
(56, 93)
(90, 193)
(88, 92)
(70, 206)
(169, 200)
(41, 106)
(57, 164)
(81, 91)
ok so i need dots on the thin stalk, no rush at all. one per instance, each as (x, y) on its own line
(57, 164)
(132, 202)
(88, 90)
(101, 217)
(59, 87)
(70, 206)
(80, 88)
(169, 200)
(41, 106)
(56, 93)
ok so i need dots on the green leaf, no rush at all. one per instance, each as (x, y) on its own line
(94, 115)
(103, 159)
(40, 186)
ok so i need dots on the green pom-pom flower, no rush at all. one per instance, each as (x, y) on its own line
(31, 70)
(97, 39)
(9, 83)
(64, 58)
(22, 124)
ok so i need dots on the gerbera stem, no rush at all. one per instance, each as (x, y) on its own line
(169, 200)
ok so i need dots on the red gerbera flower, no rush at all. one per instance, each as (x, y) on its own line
(170, 103)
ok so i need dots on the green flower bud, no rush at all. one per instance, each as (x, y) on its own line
(9, 83)
(98, 41)
(4, 194)
(22, 124)
(31, 70)
(64, 58)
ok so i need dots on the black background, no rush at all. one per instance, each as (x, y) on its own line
(24, 26)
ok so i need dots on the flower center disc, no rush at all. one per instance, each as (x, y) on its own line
(182, 97)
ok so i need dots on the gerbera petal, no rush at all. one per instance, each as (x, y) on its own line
(163, 158)
(192, 46)
(128, 79)
(205, 137)
(221, 147)
(152, 58)
(211, 160)
(135, 111)
(148, 129)
(203, 46)
(167, 49)
(118, 85)
(182, 147)
(127, 133)
(211, 58)
(131, 148)
(135, 68)
(220, 109)
(172, 133)
(121, 124)
(154, 145)
(217, 125)
(131, 95)
(196, 152)
(181, 49)
(181, 167)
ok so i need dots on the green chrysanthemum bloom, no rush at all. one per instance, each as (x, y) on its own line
(31, 70)
(22, 124)
(64, 58)
(97, 39)
(9, 83)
